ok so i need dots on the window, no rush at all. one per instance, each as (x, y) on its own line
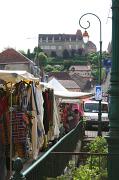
(53, 39)
(76, 46)
(60, 47)
(41, 39)
(45, 47)
(70, 39)
(94, 107)
(59, 38)
(53, 47)
(69, 46)
(46, 39)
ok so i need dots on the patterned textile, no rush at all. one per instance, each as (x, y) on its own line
(18, 128)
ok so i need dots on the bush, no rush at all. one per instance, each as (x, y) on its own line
(90, 170)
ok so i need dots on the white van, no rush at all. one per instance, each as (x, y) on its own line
(91, 109)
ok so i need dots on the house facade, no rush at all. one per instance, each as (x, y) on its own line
(83, 71)
(57, 43)
(10, 59)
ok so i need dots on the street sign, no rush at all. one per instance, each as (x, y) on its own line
(98, 93)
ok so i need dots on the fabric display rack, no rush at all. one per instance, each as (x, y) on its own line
(28, 116)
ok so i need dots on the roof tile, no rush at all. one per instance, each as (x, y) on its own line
(10, 55)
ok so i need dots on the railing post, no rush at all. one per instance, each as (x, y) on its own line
(18, 166)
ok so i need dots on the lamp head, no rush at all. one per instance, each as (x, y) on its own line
(85, 36)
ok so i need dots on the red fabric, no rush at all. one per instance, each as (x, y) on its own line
(3, 105)
(64, 115)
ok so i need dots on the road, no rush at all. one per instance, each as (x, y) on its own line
(105, 85)
(93, 134)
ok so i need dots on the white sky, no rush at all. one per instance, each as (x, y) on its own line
(22, 20)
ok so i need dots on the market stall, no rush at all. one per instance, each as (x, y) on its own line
(28, 117)
(14, 98)
(70, 107)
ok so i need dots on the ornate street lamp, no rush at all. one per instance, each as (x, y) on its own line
(86, 38)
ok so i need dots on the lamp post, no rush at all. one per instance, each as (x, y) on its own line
(86, 37)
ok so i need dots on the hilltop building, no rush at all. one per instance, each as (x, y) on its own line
(57, 43)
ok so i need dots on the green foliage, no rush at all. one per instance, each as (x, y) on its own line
(56, 68)
(90, 170)
(41, 59)
(31, 55)
(93, 58)
(67, 64)
(37, 50)
(98, 145)
(84, 173)
(65, 54)
(103, 73)
(49, 68)
(95, 73)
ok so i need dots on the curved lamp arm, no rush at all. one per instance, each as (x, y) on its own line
(80, 20)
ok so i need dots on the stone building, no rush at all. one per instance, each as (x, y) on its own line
(57, 43)
(83, 71)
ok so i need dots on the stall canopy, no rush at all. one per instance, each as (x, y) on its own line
(61, 92)
(16, 76)
(57, 86)
(73, 95)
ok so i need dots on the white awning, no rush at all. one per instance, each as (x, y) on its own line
(16, 76)
(73, 95)
(57, 86)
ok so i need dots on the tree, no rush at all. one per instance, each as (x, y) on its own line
(36, 51)
(28, 54)
(41, 61)
(49, 68)
(65, 54)
(22, 52)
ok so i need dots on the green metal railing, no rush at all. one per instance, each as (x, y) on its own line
(44, 166)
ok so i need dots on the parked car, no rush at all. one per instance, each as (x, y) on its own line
(91, 110)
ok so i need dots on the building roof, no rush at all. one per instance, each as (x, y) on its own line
(65, 79)
(69, 84)
(84, 83)
(60, 75)
(62, 37)
(10, 56)
(91, 45)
